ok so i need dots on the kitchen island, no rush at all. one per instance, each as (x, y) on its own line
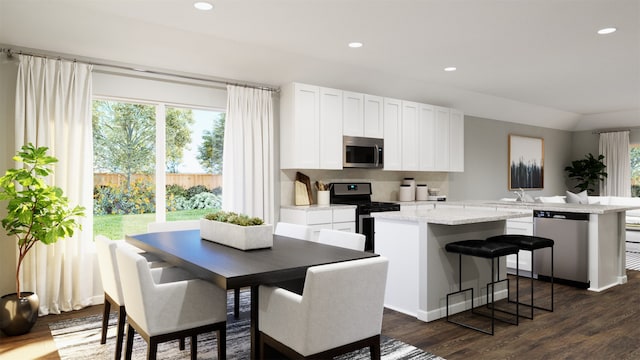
(606, 236)
(421, 272)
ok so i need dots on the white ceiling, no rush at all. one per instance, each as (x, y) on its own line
(527, 61)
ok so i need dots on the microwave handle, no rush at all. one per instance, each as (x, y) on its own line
(377, 155)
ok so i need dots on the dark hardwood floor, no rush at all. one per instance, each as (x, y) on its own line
(584, 325)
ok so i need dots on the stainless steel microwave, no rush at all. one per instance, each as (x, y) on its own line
(361, 152)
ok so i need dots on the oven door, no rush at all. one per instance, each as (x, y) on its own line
(366, 227)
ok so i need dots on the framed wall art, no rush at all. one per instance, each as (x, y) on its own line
(526, 162)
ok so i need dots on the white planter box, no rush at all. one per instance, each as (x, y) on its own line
(236, 236)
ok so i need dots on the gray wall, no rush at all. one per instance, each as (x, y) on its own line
(486, 160)
(8, 72)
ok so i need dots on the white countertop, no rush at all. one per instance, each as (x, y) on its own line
(574, 208)
(449, 216)
(316, 207)
(513, 205)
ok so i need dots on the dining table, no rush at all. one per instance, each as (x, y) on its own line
(287, 260)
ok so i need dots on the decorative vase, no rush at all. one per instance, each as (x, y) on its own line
(18, 315)
(236, 236)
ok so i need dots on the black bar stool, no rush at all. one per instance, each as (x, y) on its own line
(488, 250)
(529, 243)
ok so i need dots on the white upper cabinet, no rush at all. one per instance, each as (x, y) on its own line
(442, 139)
(417, 137)
(353, 114)
(426, 137)
(456, 140)
(363, 115)
(410, 114)
(330, 124)
(373, 116)
(449, 140)
(392, 134)
(299, 126)
(306, 142)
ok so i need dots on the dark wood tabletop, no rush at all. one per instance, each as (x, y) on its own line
(231, 268)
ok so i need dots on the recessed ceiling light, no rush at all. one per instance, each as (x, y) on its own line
(355, 44)
(606, 31)
(450, 68)
(203, 5)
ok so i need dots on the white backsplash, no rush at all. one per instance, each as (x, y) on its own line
(385, 184)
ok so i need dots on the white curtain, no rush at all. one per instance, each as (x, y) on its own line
(248, 158)
(53, 109)
(615, 148)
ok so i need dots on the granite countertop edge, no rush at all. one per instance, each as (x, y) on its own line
(449, 216)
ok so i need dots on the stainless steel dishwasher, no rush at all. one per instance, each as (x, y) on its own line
(570, 232)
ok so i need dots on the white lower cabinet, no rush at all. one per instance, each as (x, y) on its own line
(520, 226)
(338, 218)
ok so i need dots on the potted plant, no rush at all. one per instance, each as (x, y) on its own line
(587, 172)
(236, 230)
(36, 212)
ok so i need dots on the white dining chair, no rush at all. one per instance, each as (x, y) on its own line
(296, 231)
(108, 265)
(161, 308)
(340, 310)
(191, 225)
(343, 239)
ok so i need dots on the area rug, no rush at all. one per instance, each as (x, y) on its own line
(80, 339)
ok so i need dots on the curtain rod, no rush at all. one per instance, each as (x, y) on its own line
(602, 131)
(10, 52)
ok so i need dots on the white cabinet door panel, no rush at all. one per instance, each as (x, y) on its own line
(427, 138)
(456, 139)
(392, 134)
(353, 114)
(330, 139)
(442, 139)
(410, 150)
(373, 117)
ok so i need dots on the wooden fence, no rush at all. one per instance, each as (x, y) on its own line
(184, 180)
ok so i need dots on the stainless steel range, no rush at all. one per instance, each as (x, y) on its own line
(359, 194)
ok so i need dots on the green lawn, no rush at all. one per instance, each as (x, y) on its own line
(116, 226)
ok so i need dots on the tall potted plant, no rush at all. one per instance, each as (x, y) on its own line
(587, 172)
(36, 212)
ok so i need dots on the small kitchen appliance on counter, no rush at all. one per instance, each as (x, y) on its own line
(359, 194)
(434, 195)
(422, 192)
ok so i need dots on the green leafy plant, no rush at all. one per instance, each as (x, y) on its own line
(234, 218)
(36, 211)
(587, 172)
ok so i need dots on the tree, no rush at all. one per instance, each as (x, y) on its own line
(124, 138)
(178, 129)
(210, 151)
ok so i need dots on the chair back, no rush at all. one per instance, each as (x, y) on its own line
(106, 249)
(343, 239)
(344, 302)
(173, 225)
(137, 285)
(296, 231)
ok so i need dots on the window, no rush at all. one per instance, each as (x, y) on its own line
(154, 162)
(634, 154)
